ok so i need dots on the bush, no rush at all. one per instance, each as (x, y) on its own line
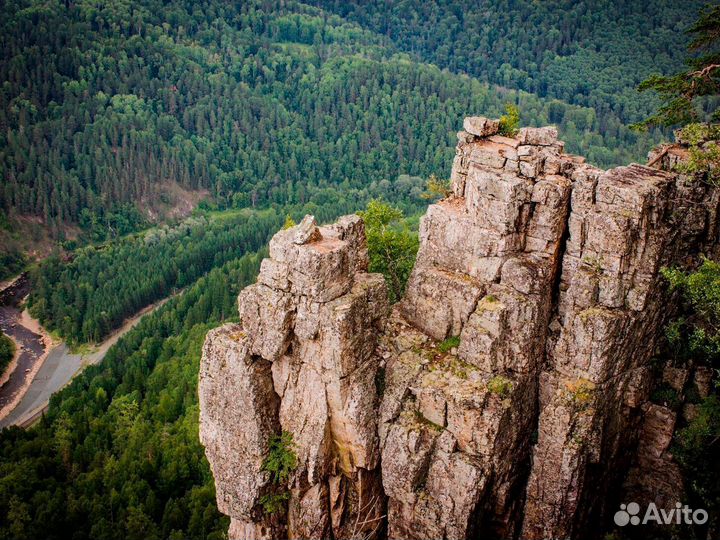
(280, 462)
(500, 385)
(510, 121)
(392, 246)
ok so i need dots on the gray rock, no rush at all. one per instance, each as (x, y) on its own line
(480, 126)
(544, 136)
(546, 270)
(306, 231)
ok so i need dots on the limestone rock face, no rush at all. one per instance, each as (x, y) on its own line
(506, 395)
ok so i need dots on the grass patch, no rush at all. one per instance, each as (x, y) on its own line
(500, 385)
(449, 344)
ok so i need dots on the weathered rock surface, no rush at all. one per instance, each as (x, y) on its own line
(302, 360)
(239, 412)
(507, 393)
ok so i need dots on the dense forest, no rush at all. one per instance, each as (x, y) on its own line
(118, 455)
(90, 293)
(592, 53)
(7, 351)
(87, 297)
(115, 103)
(272, 109)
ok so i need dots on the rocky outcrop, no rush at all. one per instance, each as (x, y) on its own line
(504, 396)
(484, 273)
(302, 360)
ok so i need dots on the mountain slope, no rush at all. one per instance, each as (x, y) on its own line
(257, 103)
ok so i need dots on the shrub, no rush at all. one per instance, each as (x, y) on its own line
(289, 222)
(436, 188)
(500, 385)
(667, 396)
(274, 502)
(282, 460)
(510, 121)
(392, 246)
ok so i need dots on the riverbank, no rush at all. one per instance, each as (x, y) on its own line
(59, 367)
(23, 380)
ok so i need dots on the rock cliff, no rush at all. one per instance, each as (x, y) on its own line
(506, 395)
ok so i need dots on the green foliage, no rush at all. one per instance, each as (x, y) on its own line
(392, 247)
(696, 450)
(690, 99)
(117, 455)
(681, 94)
(500, 385)
(289, 222)
(701, 332)
(274, 502)
(11, 262)
(7, 351)
(701, 287)
(437, 189)
(694, 339)
(449, 344)
(586, 52)
(704, 152)
(667, 396)
(110, 107)
(88, 296)
(105, 224)
(104, 105)
(510, 121)
(281, 460)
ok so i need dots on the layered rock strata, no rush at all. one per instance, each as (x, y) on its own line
(504, 396)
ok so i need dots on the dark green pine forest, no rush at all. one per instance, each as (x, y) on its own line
(155, 147)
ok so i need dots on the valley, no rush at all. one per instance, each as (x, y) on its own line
(149, 152)
(43, 366)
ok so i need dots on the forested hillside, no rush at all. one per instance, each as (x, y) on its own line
(589, 52)
(270, 108)
(87, 297)
(118, 455)
(114, 103)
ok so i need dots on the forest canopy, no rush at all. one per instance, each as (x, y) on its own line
(272, 109)
(111, 104)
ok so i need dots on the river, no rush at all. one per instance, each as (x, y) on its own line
(52, 371)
